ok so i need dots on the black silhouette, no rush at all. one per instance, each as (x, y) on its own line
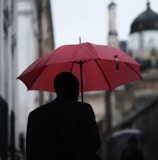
(64, 128)
(132, 152)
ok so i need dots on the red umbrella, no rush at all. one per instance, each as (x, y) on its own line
(98, 67)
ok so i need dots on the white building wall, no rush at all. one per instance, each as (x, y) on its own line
(142, 41)
(26, 54)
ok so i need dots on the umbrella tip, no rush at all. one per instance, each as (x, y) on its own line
(79, 39)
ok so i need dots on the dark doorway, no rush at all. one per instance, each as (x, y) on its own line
(3, 129)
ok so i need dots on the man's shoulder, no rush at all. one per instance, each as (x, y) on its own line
(83, 104)
(41, 109)
(55, 106)
(85, 107)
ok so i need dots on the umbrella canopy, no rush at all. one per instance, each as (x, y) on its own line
(120, 138)
(98, 67)
(118, 141)
(125, 132)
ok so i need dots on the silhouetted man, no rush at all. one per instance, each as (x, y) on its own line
(63, 129)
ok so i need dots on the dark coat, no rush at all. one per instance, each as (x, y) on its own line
(62, 130)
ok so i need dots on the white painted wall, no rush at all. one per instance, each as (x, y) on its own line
(26, 54)
(145, 40)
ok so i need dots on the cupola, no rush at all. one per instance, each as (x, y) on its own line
(147, 20)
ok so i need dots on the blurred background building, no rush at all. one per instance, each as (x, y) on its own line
(135, 105)
(26, 32)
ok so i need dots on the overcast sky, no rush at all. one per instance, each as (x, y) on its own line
(89, 19)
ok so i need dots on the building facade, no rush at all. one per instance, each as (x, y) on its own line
(26, 33)
(7, 68)
(142, 45)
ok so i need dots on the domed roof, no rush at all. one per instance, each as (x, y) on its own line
(148, 20)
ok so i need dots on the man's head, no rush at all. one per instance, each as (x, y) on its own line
(66, 85)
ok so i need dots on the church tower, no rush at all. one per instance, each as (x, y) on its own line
(112, 35)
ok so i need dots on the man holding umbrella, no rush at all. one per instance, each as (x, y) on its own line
(63, 128)
(98, 67)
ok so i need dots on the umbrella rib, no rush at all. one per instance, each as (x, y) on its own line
(103, 75)
(71, 67)
(133, 70)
